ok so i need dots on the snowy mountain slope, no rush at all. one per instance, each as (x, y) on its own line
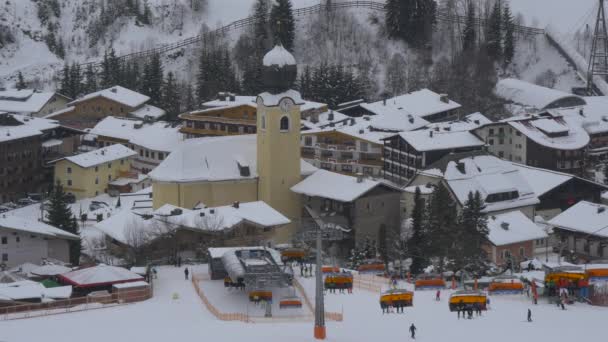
(354, 39)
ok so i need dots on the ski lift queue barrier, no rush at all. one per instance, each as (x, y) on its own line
(214, 311)
(332, 316)
(372, 283)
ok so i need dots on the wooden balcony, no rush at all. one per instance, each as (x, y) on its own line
(207, 132)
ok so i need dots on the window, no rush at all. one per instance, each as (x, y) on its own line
(501, 130)
(491, 131)
(17, 239)
(161, 156)
(308, 141)
(506, 254)
(501, 141)
(69, 182)
(284, 124)
(109, 165)
(147, 154)
(96, 168)
(109, 178)
(4, 240)
(4, 257)
(501, 154)
(522, 252)
(141, 153)
(96, 180)
(69, 170)
(518, 133)
(491, 141)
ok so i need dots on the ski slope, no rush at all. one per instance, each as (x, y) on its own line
(186, 319)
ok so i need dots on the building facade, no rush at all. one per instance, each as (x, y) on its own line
(340, 152)
(88, 174)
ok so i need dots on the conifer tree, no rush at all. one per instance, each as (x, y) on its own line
(60, 215)
(494, 33)
(261, 28)
(171, 98)
(60, 49)
(90, 85)
(75, 84)
(468, 37)
(416, 243)
(283, 24)
(190, 103)
(153, 80)
(509, 35)
(440, 224)
(411, 20)
(473, 232)
(20, 82)
(65, 80)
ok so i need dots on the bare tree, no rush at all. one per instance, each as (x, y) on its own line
(137, 238)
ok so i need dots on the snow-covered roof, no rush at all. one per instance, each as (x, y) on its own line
(490, 176)
(532, 95)
(542, 180)
(605, 195)
(270, 100)
(278, 56)
(29, 127)
(424, 190)
(468, 123)
(334, 186)
(157, 136)
(23, 101)
(562, 133)
(121, 226)
(419, 103)
(431, 140)
(50, 270)
(225, 102)
(103, 155)
(584, 217)
(32, 290)
(234, 264)
(129, 285)
(323, 120)
(149, 111)
(122, 181)
(99, 276)
(52, 143)
(512, 227)
(213, 159)
(31, 226)
(593, 116)
(118, 94)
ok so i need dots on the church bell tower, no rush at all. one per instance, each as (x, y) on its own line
(278, 138)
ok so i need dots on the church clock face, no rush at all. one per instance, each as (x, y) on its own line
(286, 105)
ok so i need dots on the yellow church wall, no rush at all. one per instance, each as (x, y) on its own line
(212, 194)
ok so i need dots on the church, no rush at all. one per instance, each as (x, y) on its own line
(264, 167)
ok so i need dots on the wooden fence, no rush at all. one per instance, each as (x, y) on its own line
(73, 304)
(442, 15)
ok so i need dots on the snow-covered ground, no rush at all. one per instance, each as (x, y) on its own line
(563, 14)
(186, 319)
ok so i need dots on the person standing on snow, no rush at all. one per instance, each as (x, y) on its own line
(529, 315)
(186, 272)
(413, 331)
(438, 295)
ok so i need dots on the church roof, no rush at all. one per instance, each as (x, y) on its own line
(214, 159)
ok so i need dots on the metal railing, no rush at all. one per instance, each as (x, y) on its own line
(31, 310)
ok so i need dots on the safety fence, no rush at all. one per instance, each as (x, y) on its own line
(85, 303)
(442, 15)
(332, 316)
(599, 294)
(214, 311)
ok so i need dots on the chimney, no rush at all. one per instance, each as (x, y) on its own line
(359, 177)
(236, 204)
(232, 98)
(410, 118)
(504, 225)
(600, 210)
(330, 117)
(444, 98)
(476, 122)
(352, 122)
(581, 112)
(361, 131)
(114, 90)
(103, 152)
(430, 133)
(211, 211)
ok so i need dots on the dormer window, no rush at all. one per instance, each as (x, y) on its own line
(502, 196)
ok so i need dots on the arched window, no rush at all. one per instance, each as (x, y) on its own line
(284, 124)
(263, 121)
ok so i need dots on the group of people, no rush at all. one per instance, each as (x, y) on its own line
(467, 310)
(305, 270)
(387, 308)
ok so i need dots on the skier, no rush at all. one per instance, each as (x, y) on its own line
(561, 303)
(413, 331)
(529, 315)
(301, 271)
(438, 295)
(186, 272)
(458, 308)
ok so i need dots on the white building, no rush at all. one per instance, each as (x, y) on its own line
(23, 240)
